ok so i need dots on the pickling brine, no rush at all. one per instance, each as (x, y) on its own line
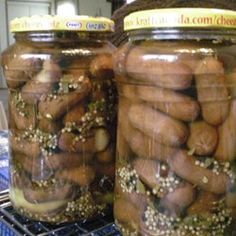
(62, 119)
(176, 147)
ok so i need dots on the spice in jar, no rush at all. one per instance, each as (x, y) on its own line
(62, 105)
(176, 126)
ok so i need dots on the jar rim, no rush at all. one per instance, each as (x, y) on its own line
(78, 23)
(217, 35)
(206, 18)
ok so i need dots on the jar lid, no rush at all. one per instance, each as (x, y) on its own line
(61, 23)
(180, 17)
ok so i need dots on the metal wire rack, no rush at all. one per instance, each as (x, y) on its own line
(13, 224)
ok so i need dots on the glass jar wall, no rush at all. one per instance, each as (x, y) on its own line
(176, 145)
(62, 121)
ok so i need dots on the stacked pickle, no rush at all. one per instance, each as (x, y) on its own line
(176, 138)
(62, 105)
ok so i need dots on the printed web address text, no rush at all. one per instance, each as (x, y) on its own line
(215, 20)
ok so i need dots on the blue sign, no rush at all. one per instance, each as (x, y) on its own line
(4, 161)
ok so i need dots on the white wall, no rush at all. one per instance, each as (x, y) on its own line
(3, 34)
(95, 8)
(3, 28)
(129, 1)
(60, 2)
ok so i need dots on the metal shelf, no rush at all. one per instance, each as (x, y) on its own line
(13, 224)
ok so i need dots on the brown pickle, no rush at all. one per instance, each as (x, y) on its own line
(62, 103)
(176, 150)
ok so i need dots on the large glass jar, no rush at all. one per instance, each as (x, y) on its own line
(176, 150)
(62, 121)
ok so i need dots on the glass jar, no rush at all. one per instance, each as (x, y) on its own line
(176, 148)
(62, 117)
